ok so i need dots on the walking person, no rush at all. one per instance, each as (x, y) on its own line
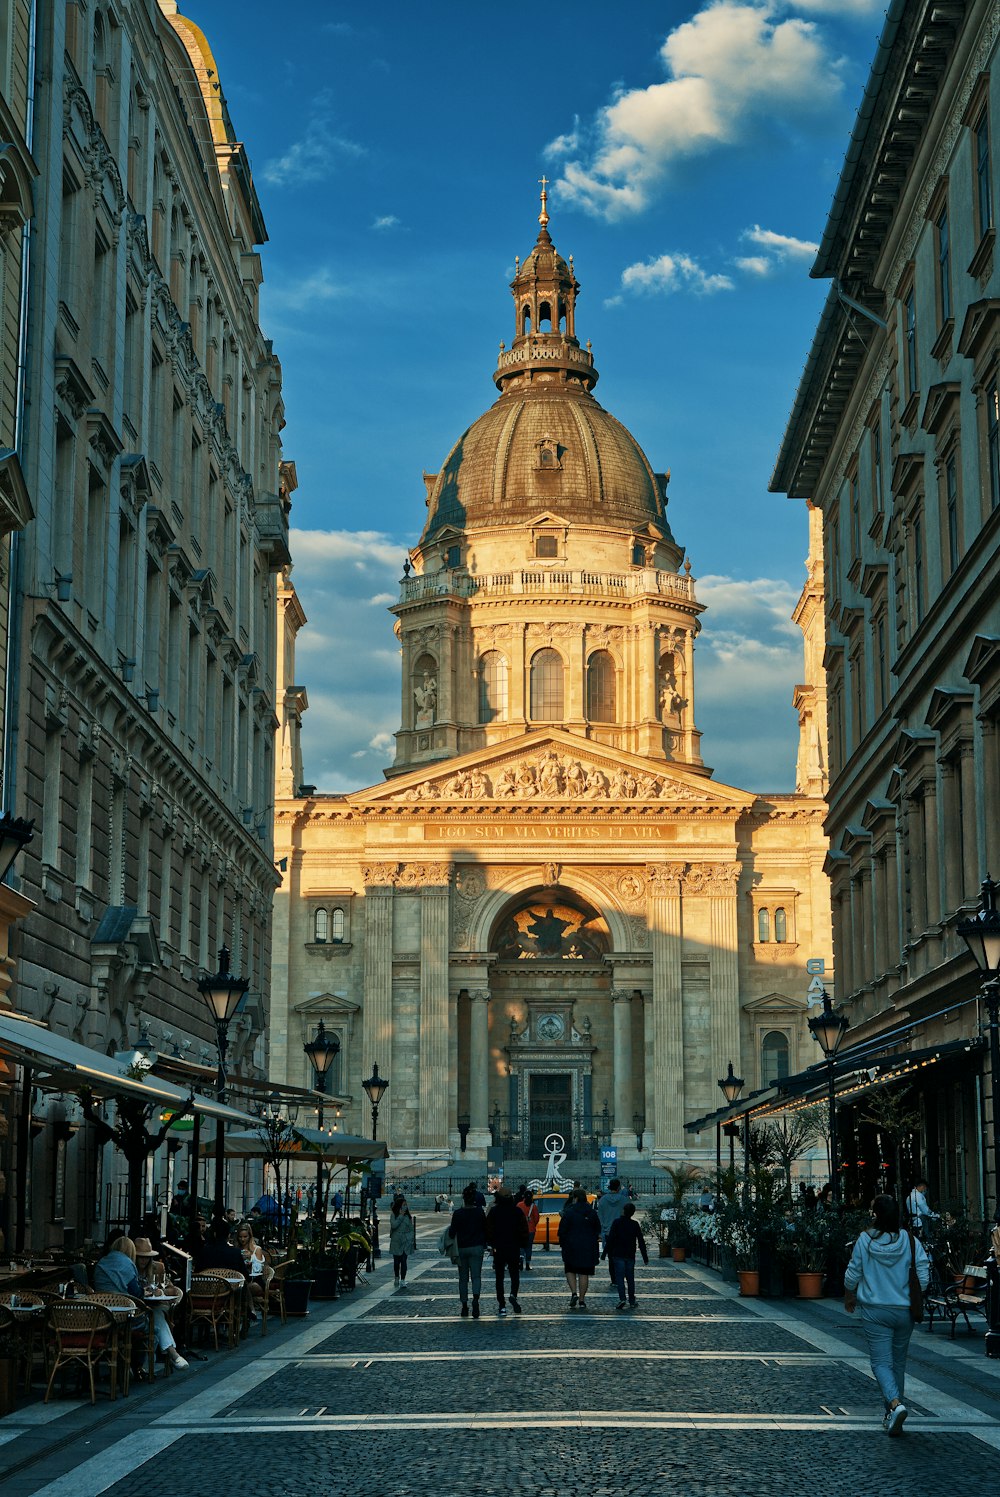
(506, 1233)
(919, 1211)
(402, 1239)
(877, 1282)
(624, 1240)
(531, 1215)
(468, 1227)
(579, 1243)
(609, 1209)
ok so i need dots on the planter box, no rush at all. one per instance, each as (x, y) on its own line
(297, 1292)
(326, 1284)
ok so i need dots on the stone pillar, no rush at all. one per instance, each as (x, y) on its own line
(479, 1069)
(931, 855)
(956, 834)
(434, 1008)
(990, 809)
(970, 823)
(891, 916)
(725, 971)
(623, 1134)
(377, 1017)
(664, 917)
(517, 710)
(915, 868)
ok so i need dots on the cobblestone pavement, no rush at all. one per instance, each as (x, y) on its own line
(694, 1393)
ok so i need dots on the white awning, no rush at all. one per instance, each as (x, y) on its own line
(61, 1065)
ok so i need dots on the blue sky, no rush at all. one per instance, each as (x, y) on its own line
(693, 150)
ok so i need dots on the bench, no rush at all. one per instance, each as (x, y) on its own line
(966, 1295)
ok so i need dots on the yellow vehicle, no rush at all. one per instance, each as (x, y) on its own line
(550, 1208)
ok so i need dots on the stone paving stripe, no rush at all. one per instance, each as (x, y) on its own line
(107, 1469)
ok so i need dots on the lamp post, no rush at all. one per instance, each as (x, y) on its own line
(15, 833)
(828, 1029)
(982, 936)
(322, 1051)
(376, 1087)
(731, 1086)
(222, 993)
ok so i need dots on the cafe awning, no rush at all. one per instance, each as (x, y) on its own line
(61, 1065)
(306, 1144)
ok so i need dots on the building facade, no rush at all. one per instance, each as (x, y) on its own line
(145, 607)
(895, 439)
(550, 918)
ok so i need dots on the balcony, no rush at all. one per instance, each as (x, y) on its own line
(644, 582)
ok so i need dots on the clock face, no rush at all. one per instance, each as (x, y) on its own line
(551, 1027)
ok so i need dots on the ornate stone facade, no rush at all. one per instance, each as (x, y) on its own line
(546, 917)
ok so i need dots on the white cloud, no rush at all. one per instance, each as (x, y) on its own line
(841, 8)
(668, 273)
(565, 145)
(781, 246)
(733, 65)
(318, 154)
(755, 265)
(387, 221)
(297, 296)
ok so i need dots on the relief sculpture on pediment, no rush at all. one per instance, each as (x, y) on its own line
(551, 776)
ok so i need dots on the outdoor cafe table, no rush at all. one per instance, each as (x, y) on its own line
(239, 1307)
(167, 1303)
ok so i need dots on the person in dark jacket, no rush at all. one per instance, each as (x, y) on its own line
(507, 1233)
(218, 1251)
(468, 1227)
(624, 1240)
(579, 1238)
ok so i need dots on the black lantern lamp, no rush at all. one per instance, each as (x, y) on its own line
(982, 933)
(731, 1086)
(222, 993)
(828, 1028)
(322, 1051)
(15, 833)
(376, 1087)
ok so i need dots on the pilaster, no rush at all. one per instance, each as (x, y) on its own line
(434, 1008)
(664, 917)
(379, 880)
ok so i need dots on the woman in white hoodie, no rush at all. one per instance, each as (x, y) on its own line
(878, 1282)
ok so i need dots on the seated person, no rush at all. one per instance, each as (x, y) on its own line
(116, 1273)
(218, 1252)
(153, 1273)
(253, 1257)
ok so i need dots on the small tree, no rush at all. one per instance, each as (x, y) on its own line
(790, 1138)
(131, 1134)
(895, 1117)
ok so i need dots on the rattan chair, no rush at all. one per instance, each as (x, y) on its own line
(127, 1326)
(275, 1291)
(261, 1304)
(28, 1329)
(82, 1332)
(238, 1299)
(210, 1303)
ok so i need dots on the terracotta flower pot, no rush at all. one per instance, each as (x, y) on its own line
(679, 1254)
(749, 1282)
(810, 1285)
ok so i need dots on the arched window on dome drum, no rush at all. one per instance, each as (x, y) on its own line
(321, 927)
(562, 316)
(601, 683)
(525, 319)
(544, 317)
(492, 687)
(780, 926)
(547, 687)
(773, 1057)
(763, 925)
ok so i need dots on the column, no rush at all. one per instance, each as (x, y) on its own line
(880, 930)
(518, 703)
(990, 808)
(434, 1030)
(951, 806)
(970, 822)
(377, 1017)
(664, 917)
(893, 942)
(725, 972)
(932, 860)
(623, 1135)
(479, 1068)
(915, 868)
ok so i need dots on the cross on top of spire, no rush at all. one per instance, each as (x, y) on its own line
(543, 217)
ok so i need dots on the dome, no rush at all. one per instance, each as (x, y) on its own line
(547, 448)
(546, 445)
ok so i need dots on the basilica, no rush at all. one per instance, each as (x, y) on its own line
(549, 917)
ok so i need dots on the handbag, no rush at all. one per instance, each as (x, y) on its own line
(447, 1246)
(916, 1293)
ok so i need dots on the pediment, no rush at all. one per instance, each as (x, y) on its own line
(774, 1003)
(325, 1004)
(552, 765)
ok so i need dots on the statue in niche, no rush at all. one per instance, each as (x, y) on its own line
(671, 701)
(425, 697)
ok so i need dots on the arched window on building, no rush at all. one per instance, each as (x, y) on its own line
(780, 925)
(321, 926)
(763, 925)
(525, 319)
(547, 687)
(492, 687)
(544, 317)
(773, 1057)
(338, 924)
(601, 704)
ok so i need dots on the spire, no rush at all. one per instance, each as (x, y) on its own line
(545, 347)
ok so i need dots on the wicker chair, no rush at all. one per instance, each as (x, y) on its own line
(80, 1332)
(238, 1299)
(28, 1329)
(275, 1290)
(210, 1303)
(129, 1323)
(261, 1304)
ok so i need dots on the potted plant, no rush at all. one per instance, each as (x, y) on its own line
(680, 1235)
(740, 1236)
(810, 1239)
(351, 1245)
(298, 1283)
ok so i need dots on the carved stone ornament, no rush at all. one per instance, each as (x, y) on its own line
(711, 878)
(470, 883)
(551, 776)
(422, 875)
(479, 995)
(550, 874)
(631, 888)
(380, 874)
(621, 995)
(665, 878)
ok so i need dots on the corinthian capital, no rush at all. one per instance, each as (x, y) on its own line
(379, 875)
(665, 878)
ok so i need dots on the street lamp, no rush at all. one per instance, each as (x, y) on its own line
(322, 1051)
(982, 936)
(15, 833)
(731, 1086)
(376, 1087)
(222, 993)
(828, 1028)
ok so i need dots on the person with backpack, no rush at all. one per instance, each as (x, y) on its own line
(625, 1238)
(506, 1234)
